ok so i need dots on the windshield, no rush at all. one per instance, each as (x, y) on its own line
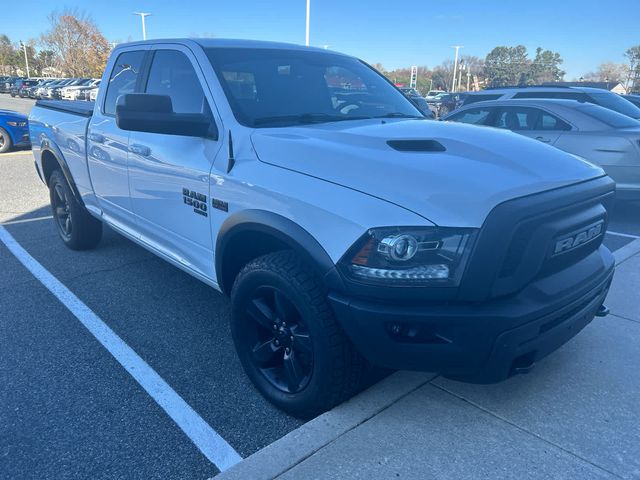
(609, 117)
(277, 87)
(617, 103)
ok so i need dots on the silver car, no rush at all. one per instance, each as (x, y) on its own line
(595, 133)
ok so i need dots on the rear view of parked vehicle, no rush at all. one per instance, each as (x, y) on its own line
(23, 86)
(595, 133)
(7, 84)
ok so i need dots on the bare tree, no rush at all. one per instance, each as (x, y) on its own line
(609, 72)
(633, 77)
(79, 47)
(7, 55)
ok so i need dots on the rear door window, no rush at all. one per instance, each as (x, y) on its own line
(517, 118)
(124, 76)
(551, 122)
(474, 116)
(173, 74)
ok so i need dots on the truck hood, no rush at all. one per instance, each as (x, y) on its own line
(479, 168)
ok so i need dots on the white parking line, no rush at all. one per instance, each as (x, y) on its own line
(627, 235)
(17, 152)
(26, 220)
(205, 438)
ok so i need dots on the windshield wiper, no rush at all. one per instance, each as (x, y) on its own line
(304, 118)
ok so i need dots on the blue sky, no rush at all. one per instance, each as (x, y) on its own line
(409, 32)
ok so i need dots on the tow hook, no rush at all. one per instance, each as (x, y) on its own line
(603, 311)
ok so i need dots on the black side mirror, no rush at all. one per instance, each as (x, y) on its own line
(143, 112)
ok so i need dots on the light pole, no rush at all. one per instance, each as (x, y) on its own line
(142, 17)
(306, 41)
(26, 58)
(455, 67)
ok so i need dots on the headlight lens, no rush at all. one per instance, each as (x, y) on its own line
(410, 256)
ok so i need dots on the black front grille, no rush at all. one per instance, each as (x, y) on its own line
(557, 225)
(516, 242)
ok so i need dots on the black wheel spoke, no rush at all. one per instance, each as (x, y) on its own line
(293, 371)
(60, 212)
(67, 225)
(60, 194)
(302, 342)
(277, 340)
(284, 309)
(261, 313)
(264, 352)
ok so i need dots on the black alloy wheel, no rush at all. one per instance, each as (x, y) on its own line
(279, 340)
(62, 212)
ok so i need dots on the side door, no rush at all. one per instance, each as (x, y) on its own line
(531, 122)
(169, 174)
(107, 145)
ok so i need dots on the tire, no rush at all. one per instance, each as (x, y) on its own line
(278, 287)
(5, 141)
(76, 227)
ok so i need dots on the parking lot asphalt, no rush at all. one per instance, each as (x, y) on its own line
(69, 410)
(22, 105)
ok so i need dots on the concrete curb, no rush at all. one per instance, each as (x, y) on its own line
(626, 252)
(300, 444)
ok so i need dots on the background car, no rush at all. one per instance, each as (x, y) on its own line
(93, 94)
(447, 102)
(77, 92)
(53, 90)
(33, 91)
(431, 94)
(23, 86)
(69, 92)
(14, 130)
(41, 90)
(601, 97)
(635, 99)
(419, 101)
(7, 84)
(595, 133)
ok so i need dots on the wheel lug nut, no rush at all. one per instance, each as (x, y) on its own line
(277, 342)
(291, 338)
(275, 326)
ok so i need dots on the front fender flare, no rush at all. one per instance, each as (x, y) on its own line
(282, 229)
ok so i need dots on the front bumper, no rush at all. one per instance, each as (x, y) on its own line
(483, 342)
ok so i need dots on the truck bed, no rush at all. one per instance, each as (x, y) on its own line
(76, 107)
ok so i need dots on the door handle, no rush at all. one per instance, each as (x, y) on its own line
(96, 137)
(140, 150)
(542, 139)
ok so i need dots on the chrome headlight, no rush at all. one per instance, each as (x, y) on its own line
(410, 256)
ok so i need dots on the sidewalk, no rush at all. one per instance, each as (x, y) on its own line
(576, 415)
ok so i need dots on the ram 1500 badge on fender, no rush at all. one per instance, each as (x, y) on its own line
(347, 229)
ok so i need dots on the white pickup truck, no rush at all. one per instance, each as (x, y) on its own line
(348, 229)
